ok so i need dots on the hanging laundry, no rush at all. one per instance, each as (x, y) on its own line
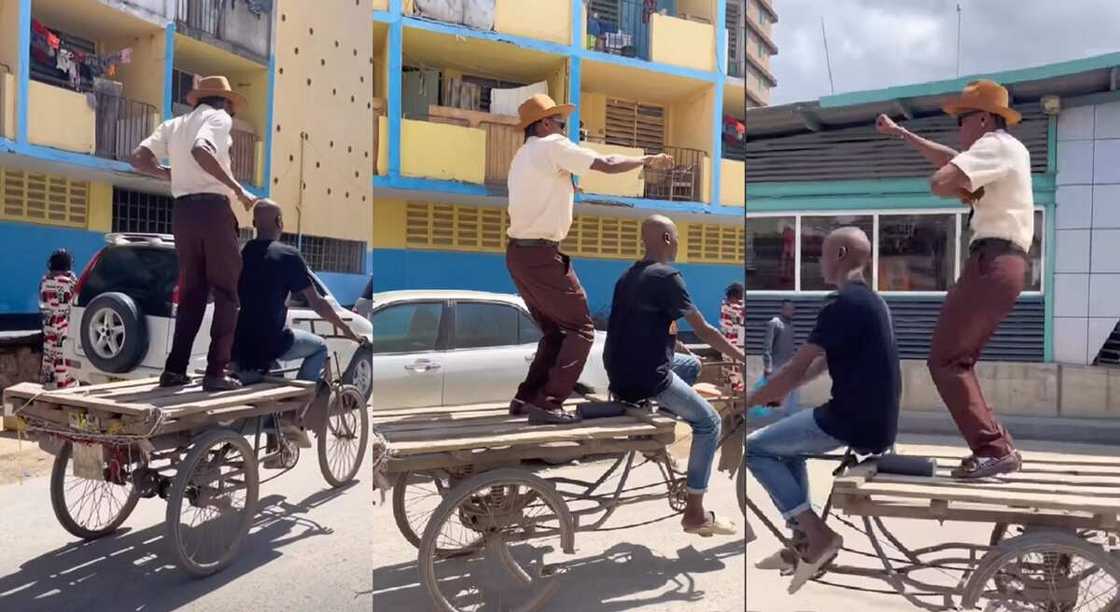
(506, 101)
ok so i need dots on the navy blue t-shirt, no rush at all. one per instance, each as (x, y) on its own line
(641, 336)
(855, 331)
(270, 272)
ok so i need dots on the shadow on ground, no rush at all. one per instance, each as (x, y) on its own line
(134, 570)
(610, 581)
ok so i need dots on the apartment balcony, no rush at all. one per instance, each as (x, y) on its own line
(243, 27)
(629, 28)
(8, 89)
(549, 20)
(736, 39)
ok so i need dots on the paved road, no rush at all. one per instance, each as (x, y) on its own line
(766, 591)
(309, 549)
(649, 568)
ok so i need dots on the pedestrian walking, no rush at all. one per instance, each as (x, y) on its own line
(206, 233)
(56, 291)
(778, 348)
(992, 176)
(732, 326)
(541, 200)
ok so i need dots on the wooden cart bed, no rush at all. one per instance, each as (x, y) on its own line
(486, 434)
(142, 407)
(1050, 490)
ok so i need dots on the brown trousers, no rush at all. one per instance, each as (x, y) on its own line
(989, 285)
(545, 279)
(206, 242)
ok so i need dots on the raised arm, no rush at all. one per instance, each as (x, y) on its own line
(936, 153)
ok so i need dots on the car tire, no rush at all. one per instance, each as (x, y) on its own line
(114, 333)
(360, 371)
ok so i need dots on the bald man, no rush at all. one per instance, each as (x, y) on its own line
(853, 340)
(272, 271)
(641, 337)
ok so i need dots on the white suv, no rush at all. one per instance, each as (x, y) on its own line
(435, 348)
(123, 316)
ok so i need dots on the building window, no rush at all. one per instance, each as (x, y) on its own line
(181, 84)
(916, 252)
(330, 254)
(813, 232)
(1034, 257)
(141, 213)
(911, 252)
(771, 253)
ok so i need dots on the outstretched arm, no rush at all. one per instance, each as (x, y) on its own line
(936, 153)
(806, 364)
(712, 337)
(324, 309)
(621, 164)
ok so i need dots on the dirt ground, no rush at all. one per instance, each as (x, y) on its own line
(21, 458)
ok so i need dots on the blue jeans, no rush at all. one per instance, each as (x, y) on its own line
(305, 345)
(682, 400)
(776, 456)
(687, 367)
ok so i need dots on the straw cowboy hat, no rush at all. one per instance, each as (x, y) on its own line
(984, 95)
(215, 87)
(540, 107)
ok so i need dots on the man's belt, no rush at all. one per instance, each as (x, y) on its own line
(998, 244)
(535, 242)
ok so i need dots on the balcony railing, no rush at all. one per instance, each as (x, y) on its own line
(243, 156)
(121, 125)
(619, 27)
(682, 181)
(503, 137)
(246, 25)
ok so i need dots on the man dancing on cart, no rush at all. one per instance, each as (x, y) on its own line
(854, 340)
(541, 197)
(640, 361)
(992, 175)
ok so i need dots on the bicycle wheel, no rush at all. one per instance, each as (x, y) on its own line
(87, 508)
(1045, 570)
(342, 443)
(212, 501)
(524, 525)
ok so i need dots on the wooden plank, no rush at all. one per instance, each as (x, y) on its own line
(481, 458)
(239, 397)
(1000, 487)
(995, 497)
(94, 403)
(459, 419)
(858, 506)
(499, 434)
(537, 435)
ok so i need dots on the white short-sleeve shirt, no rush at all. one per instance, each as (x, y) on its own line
(174, 139)
(541, 192)
(1000, 164)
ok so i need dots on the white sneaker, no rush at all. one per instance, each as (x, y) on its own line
(807, 571)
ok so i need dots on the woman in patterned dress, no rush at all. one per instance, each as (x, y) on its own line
(731, 326)
(56, 290)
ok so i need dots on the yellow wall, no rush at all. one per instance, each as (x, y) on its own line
(100, 207)
(690, 122)
(443, 151)
(381, 70)
(682, 43)
(60, 118)
(733, 186)
(540, 19)
(696, 8)
(382, 147)
(143, 78)
(380, 5)
(334, 111)
(9, 34)
(630, 184)
(593, 113)
(8, 105)
(558, 84)
(389, 220)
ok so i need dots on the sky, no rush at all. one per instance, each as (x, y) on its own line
(883, 43)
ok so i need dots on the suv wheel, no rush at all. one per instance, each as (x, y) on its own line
(360, 371)
(114, 333)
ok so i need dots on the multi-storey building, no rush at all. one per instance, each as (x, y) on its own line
(644, 77)
(757, 39)
(82, 82)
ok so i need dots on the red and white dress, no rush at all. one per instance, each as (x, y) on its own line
(56, 290)
(731, 325)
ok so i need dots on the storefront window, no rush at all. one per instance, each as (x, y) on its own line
(1034, 266)
(916, 252)
(813, 232)
(770, 253)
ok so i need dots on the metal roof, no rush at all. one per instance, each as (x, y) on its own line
(1068, 79)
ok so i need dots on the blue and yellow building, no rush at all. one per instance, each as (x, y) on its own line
(644, 77)
(304, 139)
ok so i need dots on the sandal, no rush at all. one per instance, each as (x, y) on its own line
(807, 570)
(712, 526)
(973, 467)
(542, 416)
